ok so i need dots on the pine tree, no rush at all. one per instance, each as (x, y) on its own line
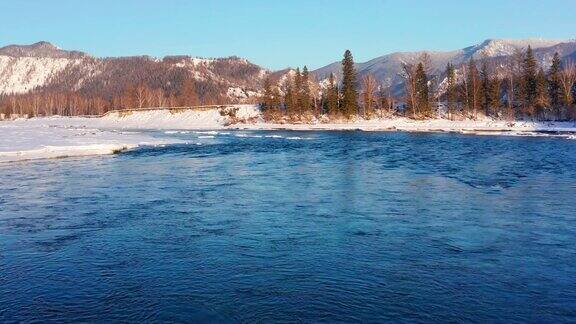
(297, 91)
(485, 98)
(542, 101)
(289, 102)
(529, 79)
(473, 88)
(519, 90)
(422, 91)
(495, 103)
(305, 98)
(349, 94)
(268, 98)
(276, 98)
(554, 89)
(451, 95)
(272, 99)
(332, 95)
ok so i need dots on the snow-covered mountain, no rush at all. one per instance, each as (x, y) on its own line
(25, 67)
(387, 69)
(44, 66)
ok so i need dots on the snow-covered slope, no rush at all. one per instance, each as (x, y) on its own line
(504, 47)
(24, 68)
(22, 74)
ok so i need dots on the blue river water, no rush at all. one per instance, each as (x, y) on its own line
(294, 227)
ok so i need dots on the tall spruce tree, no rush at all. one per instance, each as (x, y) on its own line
(268, 98)
(473, 87)
(451, 93)
(485, 98)
(349, 94)
(554, 89)
(297, 91)
(529, 68)
(495, 103)
(422, 91)
(289, 102)
(542, 101)
(305, 98)
(519, 89)
(332, 95)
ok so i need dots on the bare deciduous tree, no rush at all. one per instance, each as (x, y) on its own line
(567, 78)
(512, 68)
(158, 97)
(369, 85)
(409, 74)
(141, 94)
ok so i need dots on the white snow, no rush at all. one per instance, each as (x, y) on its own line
(503, 47)
(22, 74)
(241, 93)
(201, 61)
(236, 92)
(212, 119)
(58, 137)
(165, 119)
(480, 127)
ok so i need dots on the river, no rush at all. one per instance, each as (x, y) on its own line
(281, 226)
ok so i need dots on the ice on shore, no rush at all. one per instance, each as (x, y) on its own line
(42, 138)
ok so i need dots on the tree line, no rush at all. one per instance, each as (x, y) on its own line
(516, 88)
(73, 103)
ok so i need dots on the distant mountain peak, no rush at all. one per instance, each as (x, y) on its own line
(39, 49)
(494, 47)
(44, 45)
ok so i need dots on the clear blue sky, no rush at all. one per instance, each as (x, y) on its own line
(277, 34)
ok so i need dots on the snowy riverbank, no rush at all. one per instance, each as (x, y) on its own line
(75, 136)
(63, 137)
(250, 116)
(212, 119)
(480, 127)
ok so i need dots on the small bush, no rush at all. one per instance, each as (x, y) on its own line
(230, 112)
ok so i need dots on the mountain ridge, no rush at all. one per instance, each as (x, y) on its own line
(42, 65)
(387, 69)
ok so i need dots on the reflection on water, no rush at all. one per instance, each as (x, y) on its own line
(294, 226)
